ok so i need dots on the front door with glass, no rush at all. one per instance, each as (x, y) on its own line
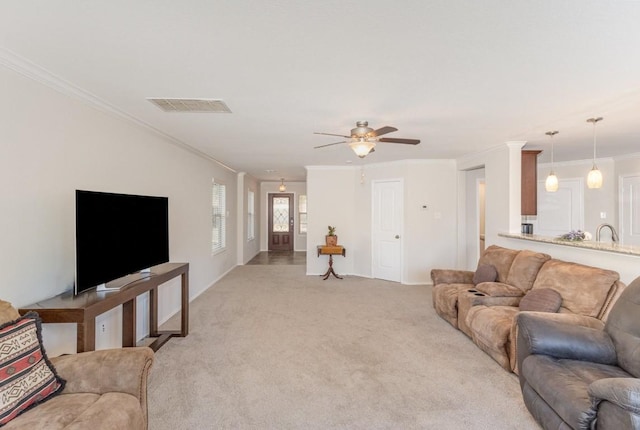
(281, 222)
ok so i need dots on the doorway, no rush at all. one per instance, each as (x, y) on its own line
(386, 237)
(474, 216)
(281, 220)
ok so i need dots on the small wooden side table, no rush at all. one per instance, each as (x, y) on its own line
(331, 251)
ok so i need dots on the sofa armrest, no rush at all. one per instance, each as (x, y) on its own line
(122, 370)
(540, 335)
(499, 289)
(446, 276)
(623, 392)
(566, 318)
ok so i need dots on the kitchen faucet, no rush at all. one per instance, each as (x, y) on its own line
(614, 235)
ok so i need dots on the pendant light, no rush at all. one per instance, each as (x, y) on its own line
(282, 186)
(551, 184)
(594, 180)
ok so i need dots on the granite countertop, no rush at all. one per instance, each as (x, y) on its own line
(588, 244)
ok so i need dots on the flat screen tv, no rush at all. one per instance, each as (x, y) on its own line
(117, 235)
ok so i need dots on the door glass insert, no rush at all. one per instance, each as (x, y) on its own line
(281, 214)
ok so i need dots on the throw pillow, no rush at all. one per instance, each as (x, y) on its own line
(485, 273)
(541, 300)
(26, 375)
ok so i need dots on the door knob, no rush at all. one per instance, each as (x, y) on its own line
(397, 236)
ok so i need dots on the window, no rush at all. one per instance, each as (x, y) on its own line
(251, 233)
(302, 214)
(218, 217)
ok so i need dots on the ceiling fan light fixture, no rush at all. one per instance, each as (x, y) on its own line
(282, 186)
(362, 147)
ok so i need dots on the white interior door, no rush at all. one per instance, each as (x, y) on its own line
(630, 210)
(561, 211)
(387, 230)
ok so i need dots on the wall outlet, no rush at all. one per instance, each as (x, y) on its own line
(102, 328)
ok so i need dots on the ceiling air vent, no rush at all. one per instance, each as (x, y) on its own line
(191, 105)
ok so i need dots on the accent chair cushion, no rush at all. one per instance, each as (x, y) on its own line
(541, 300)
(485, 273)
(26, 375)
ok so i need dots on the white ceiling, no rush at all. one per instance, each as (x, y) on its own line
(461, 75)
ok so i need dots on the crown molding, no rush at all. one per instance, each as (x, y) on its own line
(32, 71)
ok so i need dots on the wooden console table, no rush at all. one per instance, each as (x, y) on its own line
(331, 251)
(84, 308)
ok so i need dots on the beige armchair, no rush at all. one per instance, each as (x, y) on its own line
(104, 389)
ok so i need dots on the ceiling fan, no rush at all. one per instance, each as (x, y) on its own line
(363, 138)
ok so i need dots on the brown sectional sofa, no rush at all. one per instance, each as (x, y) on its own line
(487, 312)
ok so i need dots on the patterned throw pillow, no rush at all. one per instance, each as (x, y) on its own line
(541, 300)
(26, 375)
(485, 273)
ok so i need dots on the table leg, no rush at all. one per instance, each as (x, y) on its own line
(86, 335)
(184, 326)
(153, 312)
(330, 270)
(129, 323)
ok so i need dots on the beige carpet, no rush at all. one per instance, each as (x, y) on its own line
(271, 348)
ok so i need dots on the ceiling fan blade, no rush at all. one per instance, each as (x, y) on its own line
(383, 130)
(399, 140)
(328, 144)
(332, 134)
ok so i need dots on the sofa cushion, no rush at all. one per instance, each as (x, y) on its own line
(498, 289)
(83, 411)
(7, 313)
(584, 289)
(564, 385)
(490, 327)
(525, 268)
(445, 301)
(26, 375)
(485, 273)
(500, 258)
(541, 300)
(623, 325)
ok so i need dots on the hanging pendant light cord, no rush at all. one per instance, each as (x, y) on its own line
(551, 134)
(594, 121)
(594, 142)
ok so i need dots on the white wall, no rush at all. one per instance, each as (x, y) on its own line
(629, 165)
(331, 200)
(297, 188)
(342, 196)
(53, 144)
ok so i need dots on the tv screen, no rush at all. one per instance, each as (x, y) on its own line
(118, 234)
